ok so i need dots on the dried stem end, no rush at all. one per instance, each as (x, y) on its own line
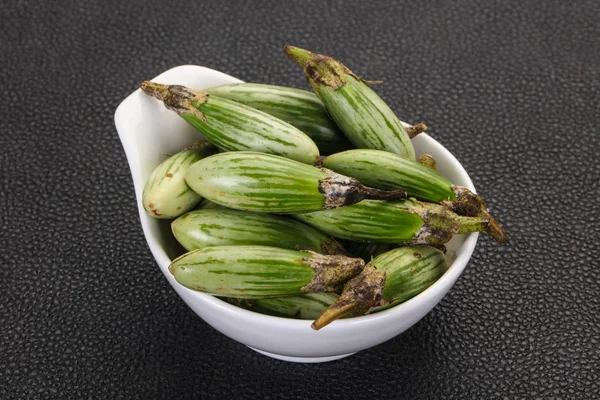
(331, 271)
(470, 204)
(176, 98)
(416, 129)
(360, 294)
(427, 161)
(322, 70)
(440, 224)
(340, 190)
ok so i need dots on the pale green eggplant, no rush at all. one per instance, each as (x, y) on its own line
(166, 194)
(391, 278)
(262, 182)
(366, 120)
(262, 271)
(404, 221)
(300, 108)
(388, 171)
(221, 226)
(232, 126)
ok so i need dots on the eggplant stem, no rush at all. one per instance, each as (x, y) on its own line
(428, 161)
(496, 232)
(301, 56)
(340, 190)
(360, 294)
(416, 129)
(472, 224)
(176, 97)
(332, 313)
(469, 204)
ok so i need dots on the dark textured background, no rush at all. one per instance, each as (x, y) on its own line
(512, 88)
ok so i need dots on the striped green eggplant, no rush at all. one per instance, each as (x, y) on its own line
(267, 183)
(232, 126)
(304, 306)
(221, 227)
(385, 170)
(300, 108)
(388, 171)
(357, 110)
(391, 278)
(262, 271)
(404, 221)
(166, 194)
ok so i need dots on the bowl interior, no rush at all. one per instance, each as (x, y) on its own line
(149, 133)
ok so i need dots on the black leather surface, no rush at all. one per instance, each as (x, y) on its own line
(511, 88)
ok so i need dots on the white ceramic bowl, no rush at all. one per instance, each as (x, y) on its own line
(148, 132)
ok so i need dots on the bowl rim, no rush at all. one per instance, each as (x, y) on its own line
(444, 283)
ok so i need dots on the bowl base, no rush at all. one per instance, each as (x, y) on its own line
(300, 359)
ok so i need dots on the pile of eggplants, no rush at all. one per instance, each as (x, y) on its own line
(305, 205)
